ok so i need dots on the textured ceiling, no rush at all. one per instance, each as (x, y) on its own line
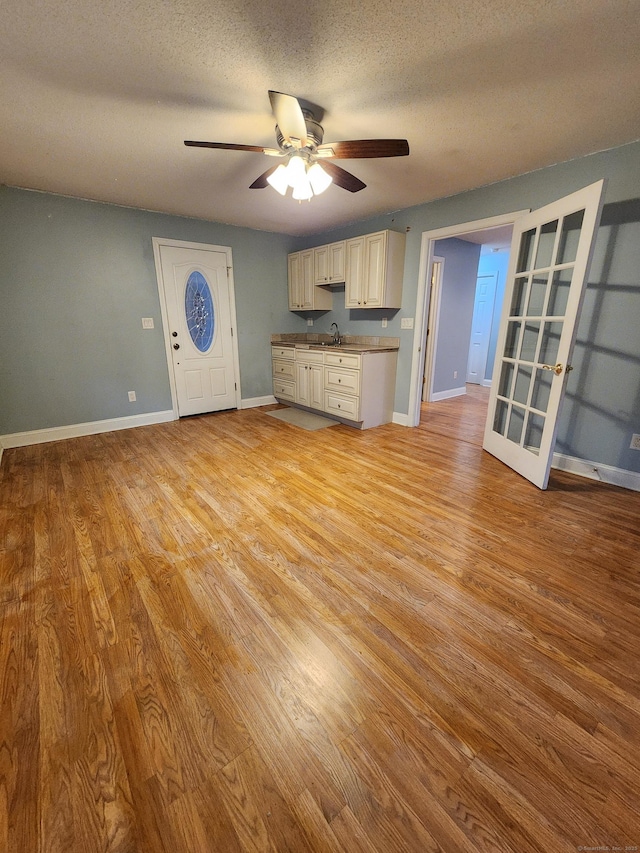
(97, 98)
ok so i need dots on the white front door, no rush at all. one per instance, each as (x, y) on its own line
(481, 327)
(550, 256)
(199, 319)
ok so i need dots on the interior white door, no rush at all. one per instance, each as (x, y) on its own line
(199, 320)
(551, 252)
(481, 327)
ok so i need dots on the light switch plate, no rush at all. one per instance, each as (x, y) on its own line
(406, 323)
(147, 322)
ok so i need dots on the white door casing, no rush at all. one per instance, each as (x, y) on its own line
(551, 253)
(481, 327)
(433, 324)
(195, 285)
(427, 251)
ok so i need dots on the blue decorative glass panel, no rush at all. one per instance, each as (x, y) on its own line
(199, 311)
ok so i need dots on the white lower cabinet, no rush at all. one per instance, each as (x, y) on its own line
(309, 379)
(355, 387)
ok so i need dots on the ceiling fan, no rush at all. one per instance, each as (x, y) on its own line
(308, 170)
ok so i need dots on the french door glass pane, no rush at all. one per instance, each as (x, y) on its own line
(516, 422)
(541, 389)
(537, 295)
(533, 434)
(546, 242)
(550, 343)
(530, 341)
(568, 246)
(559, 292)
(506, 376)
(523, 381)
(525, 254)
(500, 417)
(513, 337)
(519, 295)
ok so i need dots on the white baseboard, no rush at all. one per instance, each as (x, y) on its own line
(40, 436)
(598, 471)
(446, 395)
(254, 402)
(486, 383)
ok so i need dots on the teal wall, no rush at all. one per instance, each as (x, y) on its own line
(76, 277)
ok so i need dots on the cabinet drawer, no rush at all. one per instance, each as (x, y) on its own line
(309, 356)
(283, 352)
(284, 369)
(282, 389)
(341, 405)
(342, 359)
(339, 379)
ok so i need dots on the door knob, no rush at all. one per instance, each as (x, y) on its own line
(557, 369)
(176, 346)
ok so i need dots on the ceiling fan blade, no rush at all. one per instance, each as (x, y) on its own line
(289, 117)
(231, 146)
(357, 149)
(261, 182)
(342, 178)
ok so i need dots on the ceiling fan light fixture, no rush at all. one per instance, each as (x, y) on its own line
(296, 171)
(279, 179)
(318, 178)
(302, 190)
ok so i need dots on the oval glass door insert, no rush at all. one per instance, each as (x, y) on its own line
(199, 311)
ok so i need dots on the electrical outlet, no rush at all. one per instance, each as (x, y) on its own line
(455, 374)
(132, 396)
(147, 322)
(406, 323)
(309, 321)
(384, 322)
(635, 441)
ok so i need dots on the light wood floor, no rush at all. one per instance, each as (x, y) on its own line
(228, 634)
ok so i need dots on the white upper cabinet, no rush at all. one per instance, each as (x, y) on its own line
(374, 270)
(328, 263)
(303, 294)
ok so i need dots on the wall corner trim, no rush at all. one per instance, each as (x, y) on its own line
(41, 436)
(597, 471)
(400, 418)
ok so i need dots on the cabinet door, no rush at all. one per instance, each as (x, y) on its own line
(302, 383)
(306, 279)
(316, 386)
(321, 264)
(354, 272)
(294, 281)
(374, 270)
(336, 253)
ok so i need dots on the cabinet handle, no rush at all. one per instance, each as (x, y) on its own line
(339, 381)
(338, 405)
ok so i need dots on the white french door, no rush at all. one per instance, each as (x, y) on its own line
(199, 317)
(551, 252)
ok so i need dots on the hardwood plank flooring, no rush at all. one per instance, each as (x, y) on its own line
(226, 634)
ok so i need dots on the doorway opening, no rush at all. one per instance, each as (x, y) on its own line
(444, 353)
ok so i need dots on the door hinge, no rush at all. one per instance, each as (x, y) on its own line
(229, 270)
(235, 385)
(232, 331)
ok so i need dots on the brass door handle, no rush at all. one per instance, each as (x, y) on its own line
(557, 369)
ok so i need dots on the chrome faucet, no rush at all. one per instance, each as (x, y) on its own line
(337, 340)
